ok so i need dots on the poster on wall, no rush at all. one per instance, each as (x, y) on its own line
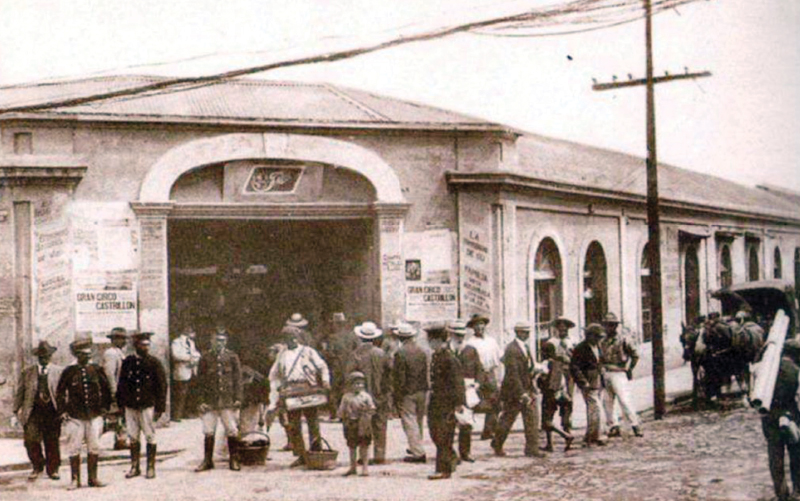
(476, 271)
(431, 302)
(52, 268)
(101, 311)
(430, 292)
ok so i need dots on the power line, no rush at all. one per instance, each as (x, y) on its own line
(508, 21)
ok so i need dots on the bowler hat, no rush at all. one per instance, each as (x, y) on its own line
(81, 346)
(368, 331)
(297, 320)
(610, 318)
(476, 319)
(406, 330)
(565, 321)
(117, 332)
(44, 348)
(457, 327)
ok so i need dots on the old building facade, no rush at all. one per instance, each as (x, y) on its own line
(245, 201)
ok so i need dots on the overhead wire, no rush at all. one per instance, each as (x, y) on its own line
(532, 18)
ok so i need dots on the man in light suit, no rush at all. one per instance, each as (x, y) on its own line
(587, 371)
(185, 360)
(112, 365)
(518, 394)
(35, 408)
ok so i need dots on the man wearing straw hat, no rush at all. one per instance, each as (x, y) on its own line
(518, 394)
(374, 363)
(83, 396)
(410, 372)
(35, 409)
(112, 364)
(142, 393)
(300, 323)
(491, 359)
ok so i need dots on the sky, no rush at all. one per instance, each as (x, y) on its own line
(741, 124)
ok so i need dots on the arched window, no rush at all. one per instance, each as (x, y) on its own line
(647, 333)
(725, 266)
(595, 288)
(547, 280)
(752, 263)
(777, 264)
(691, 284)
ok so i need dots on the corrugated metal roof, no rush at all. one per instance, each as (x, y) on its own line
(585, 166)
(240, 99)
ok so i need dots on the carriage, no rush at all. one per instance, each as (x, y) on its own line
(721, 346)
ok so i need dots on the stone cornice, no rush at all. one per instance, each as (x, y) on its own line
(269, 211)
(21, 170)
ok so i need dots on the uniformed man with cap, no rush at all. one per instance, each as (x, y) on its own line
(518, 393)
(619, 359)
(557, 386)
(219, 378)
(142, 393)
(83, 396)
(35, 409)
(375, 364)
(112, 364)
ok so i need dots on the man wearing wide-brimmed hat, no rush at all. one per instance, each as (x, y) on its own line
(519, 394)
(619, 360)
(83, 396)
(299, 322)
(491, 360)
(557, 386)
(142, 394)
(112, 364)
(375, 364)
(410, 372)
(35, 408)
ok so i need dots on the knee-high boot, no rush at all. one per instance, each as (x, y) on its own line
(75, 472)
(233, 454)
(91, 467)
(151, 461)
(136, 453)
(208, 454)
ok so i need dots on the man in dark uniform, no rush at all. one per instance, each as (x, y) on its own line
(447, 397)
(83, 396)
(518, 394)
(35, 408)
(220, 384)
(374, 363)
(784, 406)
(142, 394)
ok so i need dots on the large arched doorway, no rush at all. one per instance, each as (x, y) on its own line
(595, 285)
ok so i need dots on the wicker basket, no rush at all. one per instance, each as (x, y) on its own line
(324, 459)
(253, 455)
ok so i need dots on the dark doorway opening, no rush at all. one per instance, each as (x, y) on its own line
(252, 275)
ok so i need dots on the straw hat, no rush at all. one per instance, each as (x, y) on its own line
(368, 331)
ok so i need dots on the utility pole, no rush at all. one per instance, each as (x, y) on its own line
(653, 223)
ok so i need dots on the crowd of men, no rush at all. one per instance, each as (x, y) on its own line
(449, 375)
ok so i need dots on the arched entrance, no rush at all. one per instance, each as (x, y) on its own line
(595, 286)
(248, 228)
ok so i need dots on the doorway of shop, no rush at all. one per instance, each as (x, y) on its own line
(251, 275)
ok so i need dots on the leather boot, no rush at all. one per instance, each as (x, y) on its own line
(151, 461)
(233, 454)
(91, 467)
(208, 459)
(136, 453)
(75, 472)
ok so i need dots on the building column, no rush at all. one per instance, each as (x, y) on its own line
(391, 265)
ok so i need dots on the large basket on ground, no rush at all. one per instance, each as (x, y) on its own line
(324, 459)
(253, 448)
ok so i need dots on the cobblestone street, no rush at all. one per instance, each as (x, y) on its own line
(709, 455)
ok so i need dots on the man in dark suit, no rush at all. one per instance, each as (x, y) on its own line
(447, 397)
(411, 390)
(35, 409)
(142, 395)
(586, 370)
(82, 398)
(518, 394)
